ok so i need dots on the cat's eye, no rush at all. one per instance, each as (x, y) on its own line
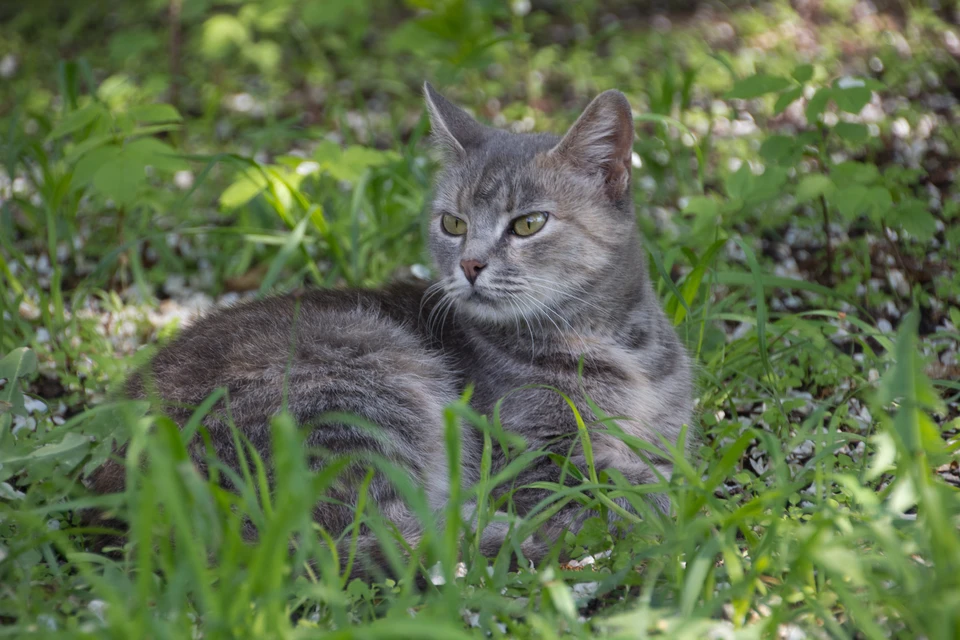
(453, 225)
(529, 224)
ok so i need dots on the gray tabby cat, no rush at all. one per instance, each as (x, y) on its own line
(542, 281)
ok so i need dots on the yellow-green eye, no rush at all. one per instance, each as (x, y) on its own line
(453, 225)
(529, 224)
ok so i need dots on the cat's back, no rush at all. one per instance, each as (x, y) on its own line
(259, 340)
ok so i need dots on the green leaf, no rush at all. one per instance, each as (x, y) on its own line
(851, 94)
(67, 447)
(367, 157)
(283, 256)
(691, 284)
(17, 364)
(906, 382)
(813, 186)
(154, 113)
(914, 218)
(76, 120)
(704, 206)
(851, 201)
(786, 99)
(855, 172)
(120, 178)
(327, 152)
(350, 164)
(78, 150)
(854, 132)
(766, 186)
(223, 33)
(738, 183)
(878, 202)
(781, 150)
(758, 85)
(817, 104)
(248, 184)
(153, 152)
(91, 162)
(802, 73)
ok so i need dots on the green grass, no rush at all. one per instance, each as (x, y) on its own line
(822, 499)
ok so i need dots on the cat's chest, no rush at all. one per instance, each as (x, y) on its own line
(611, 375)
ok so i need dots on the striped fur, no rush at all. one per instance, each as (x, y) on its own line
(575, 292)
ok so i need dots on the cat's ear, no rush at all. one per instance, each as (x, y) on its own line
(600, 142)
(453, 128)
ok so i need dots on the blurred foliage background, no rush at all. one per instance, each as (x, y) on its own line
(795, 178)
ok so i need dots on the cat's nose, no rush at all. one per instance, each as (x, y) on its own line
(471, 269)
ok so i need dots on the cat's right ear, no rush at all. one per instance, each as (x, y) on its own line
(454, 130)
(600, 143)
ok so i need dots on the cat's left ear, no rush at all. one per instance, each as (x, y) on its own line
(453, 128)
(600, 142)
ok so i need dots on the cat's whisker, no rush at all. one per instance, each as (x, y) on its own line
(516, 318)
(538, 283)
(523, 316)
(599, 313)
(547, 311)
(431, 291)
(446, 301)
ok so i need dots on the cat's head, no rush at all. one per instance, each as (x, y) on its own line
(534, 225)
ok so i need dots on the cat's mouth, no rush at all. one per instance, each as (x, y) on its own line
(480, 297)
(481, 302)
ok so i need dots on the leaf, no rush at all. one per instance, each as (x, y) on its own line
(802, 73)
(817, 104)
(781, 150)
(852, 131)
(767, 186)
(265, 54)
(786, 99)
(120, 177)
(78, 150)
(154, 113)
(327, 152)
(704, 206)
(283, 256)
(884, 457)
(17, 364)
(69, 445)
(851, 94)
(738, 183)
(91, 162)
(691, 284)
(249, 184)
(153, 152)
(367, 157)
(758, 85)
(813, 186)
(855, 172)
(878, 202)
(906, 383)
(221, 34)
(914, 218)
(851, 201)
(76, 120)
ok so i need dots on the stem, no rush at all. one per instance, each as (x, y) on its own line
(895, 250)
(826, 236)
(175, 37)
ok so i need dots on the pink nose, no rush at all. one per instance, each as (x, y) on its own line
(471, 269)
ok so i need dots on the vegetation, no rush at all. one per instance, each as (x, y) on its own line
(795, 180)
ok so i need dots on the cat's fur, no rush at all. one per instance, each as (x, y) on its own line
(576, 291)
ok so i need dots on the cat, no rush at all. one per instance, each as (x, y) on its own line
(542, 282)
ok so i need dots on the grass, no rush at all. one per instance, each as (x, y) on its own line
(822, 500)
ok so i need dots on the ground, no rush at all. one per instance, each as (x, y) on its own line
(794, 178)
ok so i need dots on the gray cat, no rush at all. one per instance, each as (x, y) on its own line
(542, 283)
